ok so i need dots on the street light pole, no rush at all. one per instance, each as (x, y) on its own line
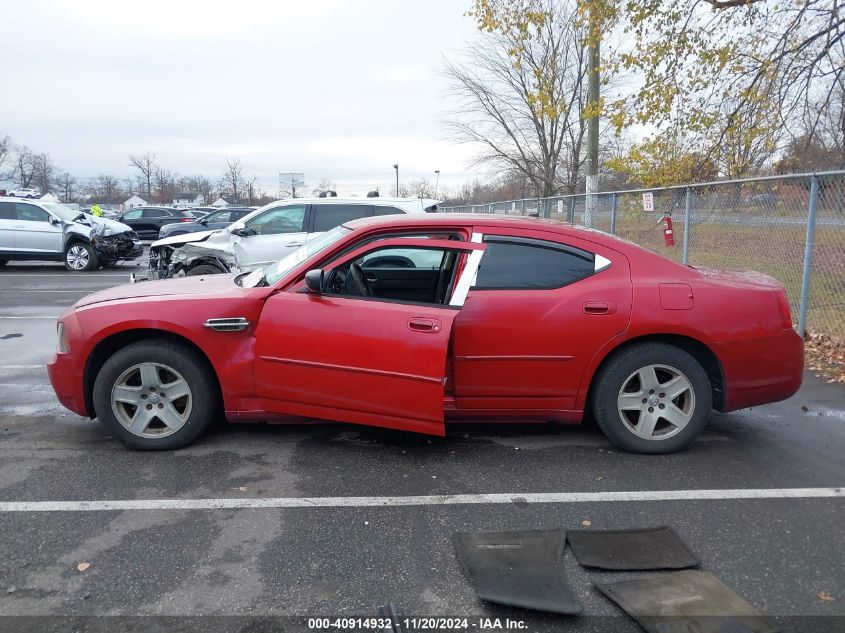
(396, 167)
(436, 181)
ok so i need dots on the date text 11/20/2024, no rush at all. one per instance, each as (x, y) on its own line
(417, 624)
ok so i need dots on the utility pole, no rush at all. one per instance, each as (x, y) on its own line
(396, 167)
(593, 97)
(436, 181)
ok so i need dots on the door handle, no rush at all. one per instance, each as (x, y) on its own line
(425, 325)
(294, 244)
(19, 226)
(599, 307)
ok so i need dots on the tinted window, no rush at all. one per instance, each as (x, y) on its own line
(7, 211)
(155, 213)
(237, 214)
(531, 264)
(328, 216)
(378, 210)
(32, 213)
(218, 216)
(287, 219)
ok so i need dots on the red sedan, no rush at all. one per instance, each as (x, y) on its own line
(409, 321)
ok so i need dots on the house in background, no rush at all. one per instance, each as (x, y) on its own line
(131, 203)
(220, 203)
(187, 199)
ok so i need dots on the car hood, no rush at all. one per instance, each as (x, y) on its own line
(194, 285)
(177, 240)
(102, 226)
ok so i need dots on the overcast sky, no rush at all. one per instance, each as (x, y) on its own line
(337, 89)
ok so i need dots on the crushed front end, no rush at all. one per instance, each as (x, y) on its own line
(167, 261)
(117, 247)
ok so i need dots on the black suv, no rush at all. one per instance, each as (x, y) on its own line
(147, 221)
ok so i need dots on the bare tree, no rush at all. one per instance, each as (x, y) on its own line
(129, 186)
(24, 168)
(44, 172)
(526, 114)
(232, 181)
(66, 186)
(421, 188)
(5, 149)
(108, 186)
(325, 184)
(146, 166)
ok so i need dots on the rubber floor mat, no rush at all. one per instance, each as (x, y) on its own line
(520, 569)
(688, 601)
(650, 548)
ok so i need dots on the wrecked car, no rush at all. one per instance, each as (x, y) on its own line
(48, 231)
(267, 234)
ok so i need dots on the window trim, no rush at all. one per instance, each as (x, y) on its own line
(534, 242)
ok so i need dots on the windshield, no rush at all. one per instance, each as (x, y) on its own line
(272, 273)
(60, 211)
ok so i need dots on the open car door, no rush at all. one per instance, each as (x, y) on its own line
(375, 360)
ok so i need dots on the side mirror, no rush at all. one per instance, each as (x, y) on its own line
(54, 220)
(314, 280)
(241, 232)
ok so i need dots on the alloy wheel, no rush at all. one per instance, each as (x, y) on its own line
(151, 400)
(656, 402)
(77, 257)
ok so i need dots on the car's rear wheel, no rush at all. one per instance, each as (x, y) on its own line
(156, 395)
(80, 256)
(652, 398)
(203, 269)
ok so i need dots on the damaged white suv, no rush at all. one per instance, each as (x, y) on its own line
(267, 234)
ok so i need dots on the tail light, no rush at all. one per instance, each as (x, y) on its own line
(186, 219)
(783, 304)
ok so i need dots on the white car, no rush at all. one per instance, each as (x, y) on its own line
(23, 193)
(268, 234)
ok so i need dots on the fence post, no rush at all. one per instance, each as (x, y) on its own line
(613, 214)
(808, 256)
(687, 220)
(547, 208)
(570, 216)
(523, 207)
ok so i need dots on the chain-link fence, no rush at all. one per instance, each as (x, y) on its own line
(790, 227)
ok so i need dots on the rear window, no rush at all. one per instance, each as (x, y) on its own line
(510, 263)
(7, 211)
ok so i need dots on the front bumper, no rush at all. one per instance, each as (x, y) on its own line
(65, 371)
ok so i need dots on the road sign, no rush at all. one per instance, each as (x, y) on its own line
(648, 201)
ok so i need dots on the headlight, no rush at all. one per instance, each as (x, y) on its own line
(64, 341)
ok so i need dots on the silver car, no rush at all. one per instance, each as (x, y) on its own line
(267, 234)
(47, 231)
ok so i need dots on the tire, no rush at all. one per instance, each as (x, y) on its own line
(619, 390)
(145, 371)
(79, 257)
(203, 269)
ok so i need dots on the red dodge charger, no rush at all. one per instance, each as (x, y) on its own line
(405, 322)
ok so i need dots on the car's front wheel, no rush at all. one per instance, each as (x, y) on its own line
(80, 256)
(156, 395)
(652, 398)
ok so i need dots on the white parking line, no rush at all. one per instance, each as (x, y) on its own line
(29, 317)
(429, 500)
(22, 366)
(4, 275)
(76, 291)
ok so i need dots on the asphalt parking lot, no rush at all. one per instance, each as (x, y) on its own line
(339, 520)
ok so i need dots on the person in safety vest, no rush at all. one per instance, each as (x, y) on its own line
(96, 211)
